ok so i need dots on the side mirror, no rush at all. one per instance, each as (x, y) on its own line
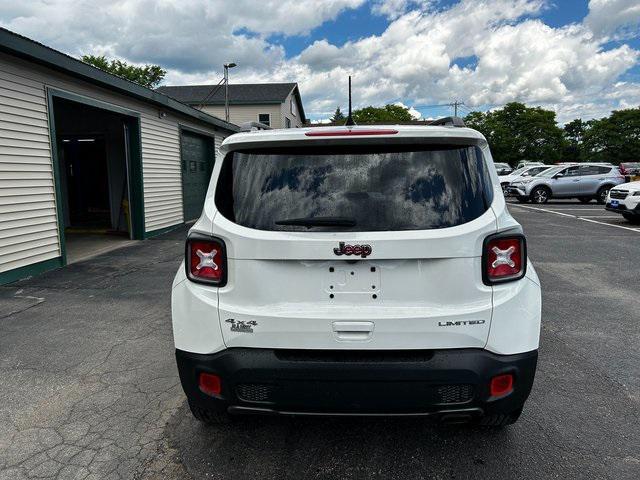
(558, 175)
(526, 174)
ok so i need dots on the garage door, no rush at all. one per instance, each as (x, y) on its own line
(197, 164)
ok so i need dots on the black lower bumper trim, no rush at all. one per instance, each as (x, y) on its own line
(458, 414)
(367, 383)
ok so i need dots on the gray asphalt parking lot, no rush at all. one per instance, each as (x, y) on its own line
(89, 387)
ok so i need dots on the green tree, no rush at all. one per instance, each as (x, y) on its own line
(338, 116)
(148, 76)
(574, 137)
(615, 138)
(517, 132)
(386, 114)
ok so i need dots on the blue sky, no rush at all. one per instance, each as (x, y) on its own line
(580, 58)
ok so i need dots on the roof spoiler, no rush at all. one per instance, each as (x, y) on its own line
(252, 126)
(448, 122)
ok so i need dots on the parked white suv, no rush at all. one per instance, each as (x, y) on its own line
(357, 271)
(625, 199)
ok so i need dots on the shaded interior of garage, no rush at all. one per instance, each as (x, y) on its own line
(93, 154)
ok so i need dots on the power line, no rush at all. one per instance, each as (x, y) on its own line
(214, 89)
(455, 105)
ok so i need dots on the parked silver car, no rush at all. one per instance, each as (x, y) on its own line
(586, 181)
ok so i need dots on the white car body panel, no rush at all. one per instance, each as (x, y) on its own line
(424, 281)
(632, 199)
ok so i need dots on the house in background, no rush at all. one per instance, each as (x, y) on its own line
(278, 105)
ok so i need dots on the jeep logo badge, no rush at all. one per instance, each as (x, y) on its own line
(345, 249)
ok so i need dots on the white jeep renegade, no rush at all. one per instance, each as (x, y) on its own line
(357, 271)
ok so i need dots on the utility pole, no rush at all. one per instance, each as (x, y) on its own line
(227, 66)
(455, 106)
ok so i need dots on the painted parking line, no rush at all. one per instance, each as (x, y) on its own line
(592, 209)
(637, 230)
(545, 210)
(590, 220)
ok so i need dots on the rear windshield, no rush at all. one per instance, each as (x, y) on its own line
(354, 189)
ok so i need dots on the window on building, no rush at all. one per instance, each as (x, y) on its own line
(287, 122)
(292, 106)
(265, 118)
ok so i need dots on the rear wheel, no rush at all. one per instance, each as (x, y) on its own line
(585, 199)
(635, 219)
(602, 194)
(540, 195)
(210, 417)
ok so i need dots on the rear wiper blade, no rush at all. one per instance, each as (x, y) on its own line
(319, 222)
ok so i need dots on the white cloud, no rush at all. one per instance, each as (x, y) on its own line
(419, 59)
(610, 17)
(519, 58)
(412, 111)
(186, 35)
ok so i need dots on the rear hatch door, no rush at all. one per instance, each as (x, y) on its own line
(373, 247)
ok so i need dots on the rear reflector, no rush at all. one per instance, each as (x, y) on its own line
(501, 385)
(210, 384)
(504, 258)
(205, 260)
(351, 132)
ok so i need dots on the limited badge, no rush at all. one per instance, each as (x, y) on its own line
(241, 326)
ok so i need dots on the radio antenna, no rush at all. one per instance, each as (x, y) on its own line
(349, 122)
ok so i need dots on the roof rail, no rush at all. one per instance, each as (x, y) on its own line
(448, 122)
(252, 126)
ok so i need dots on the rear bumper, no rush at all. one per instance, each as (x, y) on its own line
(439, 383)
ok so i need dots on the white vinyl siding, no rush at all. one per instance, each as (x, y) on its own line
(161, 173)
(28, 217)
(240, 114)
(289, 111)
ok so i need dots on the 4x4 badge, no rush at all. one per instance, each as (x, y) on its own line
(345, 249)
(241, 326)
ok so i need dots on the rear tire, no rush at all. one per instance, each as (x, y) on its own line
(634, 219)
(602, 194)
(499, 420)
(209, 417)
(585, 199)
(540, 195)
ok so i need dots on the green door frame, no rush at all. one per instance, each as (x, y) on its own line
(136, 195)
(212, 146)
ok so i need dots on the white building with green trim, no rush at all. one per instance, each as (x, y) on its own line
(82, 150)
